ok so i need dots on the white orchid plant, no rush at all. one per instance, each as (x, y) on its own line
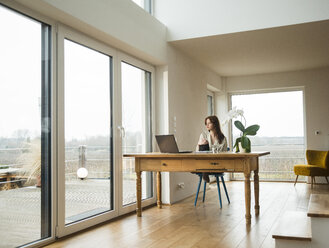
(233, 114)
(251, 130)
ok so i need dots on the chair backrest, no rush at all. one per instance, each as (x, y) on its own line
(319, 158)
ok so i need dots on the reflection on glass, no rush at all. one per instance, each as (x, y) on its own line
(280, 116)
(24, 145)
(136, 121)
(88, 170)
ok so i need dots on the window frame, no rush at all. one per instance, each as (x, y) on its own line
(65, 32)
(52, 77)
(264, 91)
(123, 57)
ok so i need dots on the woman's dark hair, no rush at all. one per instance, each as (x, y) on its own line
(218, 132)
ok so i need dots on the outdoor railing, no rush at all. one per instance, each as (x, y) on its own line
(280, 163)
(277, 166)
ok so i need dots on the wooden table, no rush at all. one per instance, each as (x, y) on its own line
(199, 162)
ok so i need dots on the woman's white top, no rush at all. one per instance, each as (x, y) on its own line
(219, 147)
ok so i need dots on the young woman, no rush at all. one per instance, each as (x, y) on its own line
(213, 137)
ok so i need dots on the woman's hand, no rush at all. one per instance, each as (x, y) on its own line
(203, 141)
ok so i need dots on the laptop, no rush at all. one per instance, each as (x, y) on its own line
(167, 144)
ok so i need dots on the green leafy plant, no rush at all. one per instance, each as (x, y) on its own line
(243, 139)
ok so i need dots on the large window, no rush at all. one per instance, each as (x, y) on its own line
(88, 150)
(210, 103)
(101, 115)
(281, 120)
(24, 129)
(137, 128)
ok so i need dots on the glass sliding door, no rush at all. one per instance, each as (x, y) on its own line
(25, 131)
(88, 150)
(85, 151)
(93, 185)
(136, 129)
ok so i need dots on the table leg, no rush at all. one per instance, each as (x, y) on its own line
(256, 191)
(139, 193)
(159, 202)
(247, 196)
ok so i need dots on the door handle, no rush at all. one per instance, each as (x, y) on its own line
(122, 131)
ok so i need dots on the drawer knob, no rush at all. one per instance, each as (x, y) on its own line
(214, 163)
(164, 164)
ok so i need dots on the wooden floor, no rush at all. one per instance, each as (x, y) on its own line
(183, 225)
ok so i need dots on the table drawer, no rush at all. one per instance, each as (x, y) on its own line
(150, 164)
(200, 165)
(160, 165)
(171, 165)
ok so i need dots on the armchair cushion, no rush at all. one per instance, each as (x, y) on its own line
(310, 170)
(318, 164)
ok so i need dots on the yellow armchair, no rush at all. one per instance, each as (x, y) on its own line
(317, 165)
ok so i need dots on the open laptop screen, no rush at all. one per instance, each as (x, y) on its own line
(167, 144)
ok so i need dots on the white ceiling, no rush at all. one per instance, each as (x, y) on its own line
(288, 48)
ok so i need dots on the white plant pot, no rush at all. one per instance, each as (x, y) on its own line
(241, 149)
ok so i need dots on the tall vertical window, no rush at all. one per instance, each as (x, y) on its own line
(280, 116)
(24, 129)
(137, 131)
(88, 132)
(210, 103)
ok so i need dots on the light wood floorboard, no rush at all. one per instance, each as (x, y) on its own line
(206, 225)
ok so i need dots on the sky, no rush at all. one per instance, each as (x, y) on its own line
(87, 92)
(20, 74)
(132, 79)
(278, 114)
(87, 98)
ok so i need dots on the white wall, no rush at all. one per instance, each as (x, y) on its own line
(119, 23)
(316, 88)
(194, 18)
(162, 122)
(187, 90)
